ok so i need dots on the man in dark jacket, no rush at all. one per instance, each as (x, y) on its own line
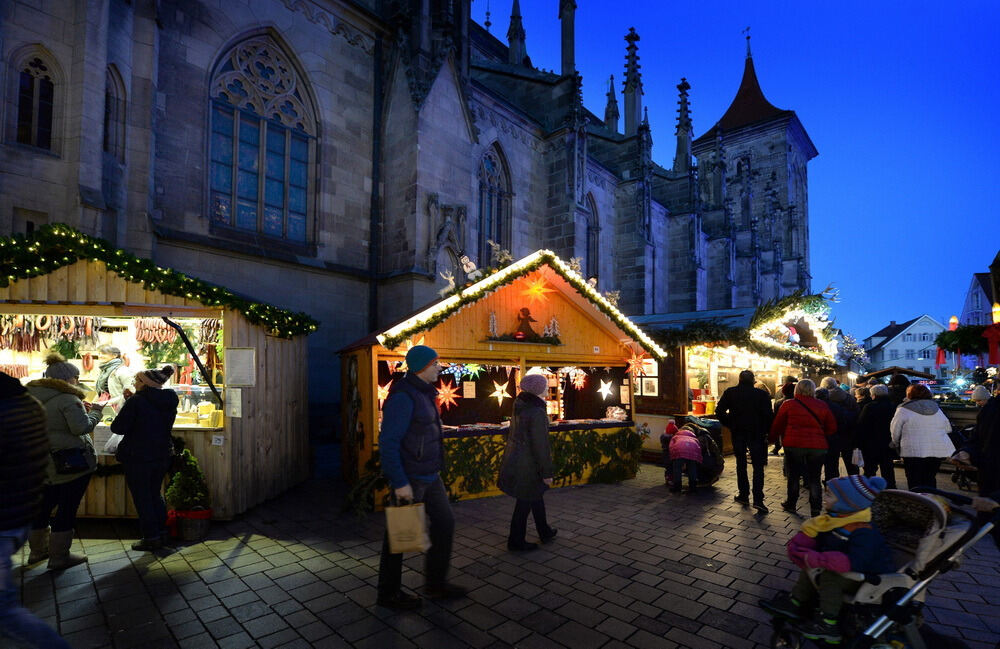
(842, 444)
(412, 453)
(24, 457)
(983, 451)
(873, 436)
(746, 410)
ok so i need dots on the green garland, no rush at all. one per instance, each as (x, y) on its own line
(467, 296)
(472, 464)
(52, 247)
(712, 332)
(968, 338)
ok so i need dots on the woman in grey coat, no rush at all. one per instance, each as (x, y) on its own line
(69, 424)
(526, 470)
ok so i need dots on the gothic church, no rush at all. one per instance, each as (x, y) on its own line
(339, 157)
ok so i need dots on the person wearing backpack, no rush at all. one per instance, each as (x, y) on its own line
(804, 423)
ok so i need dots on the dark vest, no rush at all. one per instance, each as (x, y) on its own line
(422, 449)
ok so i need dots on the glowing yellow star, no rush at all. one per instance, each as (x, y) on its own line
(447, 395)
(473, 370)
(536, 290)
(605, 389)
(500, 393)
(383, 393)
(410, 343)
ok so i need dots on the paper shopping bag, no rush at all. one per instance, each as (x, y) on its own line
(407, 528)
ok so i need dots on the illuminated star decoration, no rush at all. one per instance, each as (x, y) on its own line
(447, 395)
(635, 363)
(473, 370)
(383, 393)
(579, 379)
(500, 393)
(605, 389)
(536, 290)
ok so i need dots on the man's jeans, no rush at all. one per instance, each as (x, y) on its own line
(757, 445)
(16, 622)
(442, 529)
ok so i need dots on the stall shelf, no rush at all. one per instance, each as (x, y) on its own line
(490, 326)
(261, 447)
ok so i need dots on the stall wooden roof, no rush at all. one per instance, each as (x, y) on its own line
(592, 330)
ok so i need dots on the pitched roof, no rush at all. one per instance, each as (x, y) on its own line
(431, 315)
(986, 283)
(748, 107)
(891, 331)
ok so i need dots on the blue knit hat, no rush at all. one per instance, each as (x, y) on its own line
(419, 358)
(854, 492)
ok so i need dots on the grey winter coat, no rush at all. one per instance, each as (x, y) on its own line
(68, 423)
(527, 459)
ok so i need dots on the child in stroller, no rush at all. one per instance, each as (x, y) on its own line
(708, 469)
(926, 536)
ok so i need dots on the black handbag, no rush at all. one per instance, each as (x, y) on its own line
(70, 460)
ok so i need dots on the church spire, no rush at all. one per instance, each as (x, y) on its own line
(633, 84)
(567, 17)
(516, 48)
(682, 160)
(611, 110)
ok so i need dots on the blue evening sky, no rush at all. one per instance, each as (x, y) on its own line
(900, 98)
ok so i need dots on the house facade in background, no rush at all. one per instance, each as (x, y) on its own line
(339, 158)
(909, 344)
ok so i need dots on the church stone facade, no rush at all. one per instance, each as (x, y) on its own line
(339, 157)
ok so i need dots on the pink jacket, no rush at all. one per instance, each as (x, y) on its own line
(802, 550)
(684, 446)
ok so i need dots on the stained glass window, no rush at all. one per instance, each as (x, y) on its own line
(35, 104)
(494, 205)
(261, 143)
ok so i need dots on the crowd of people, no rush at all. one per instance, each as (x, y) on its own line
(47, 458)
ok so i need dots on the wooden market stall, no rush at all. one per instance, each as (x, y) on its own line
(535, 315)
(791, 336)
(252, 445)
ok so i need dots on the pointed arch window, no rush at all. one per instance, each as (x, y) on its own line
(114, 114)
(262, 143)
(592, 266)
(494, 204)
(35, 102)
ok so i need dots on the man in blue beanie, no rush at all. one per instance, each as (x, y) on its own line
(412, 452)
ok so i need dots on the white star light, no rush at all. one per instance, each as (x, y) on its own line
(605, 389)
(500, 393)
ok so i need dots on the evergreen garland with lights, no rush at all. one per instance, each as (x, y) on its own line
(52, 247)
(712, 332)
(500, 277)
(967, 338)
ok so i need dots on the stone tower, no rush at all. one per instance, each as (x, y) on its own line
(753, 189)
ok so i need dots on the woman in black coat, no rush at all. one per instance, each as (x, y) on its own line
(145, 422)
(526, 469)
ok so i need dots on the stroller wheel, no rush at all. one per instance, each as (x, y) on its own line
(785, 637)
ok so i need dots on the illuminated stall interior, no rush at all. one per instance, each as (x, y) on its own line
(534, 315)
(790, 337)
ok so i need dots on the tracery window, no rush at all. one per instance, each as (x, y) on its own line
(494, 204)
(262, 143)
(35, 103)
(114, 114)
(592, 265)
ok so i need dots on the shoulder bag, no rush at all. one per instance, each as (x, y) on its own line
(70, 460)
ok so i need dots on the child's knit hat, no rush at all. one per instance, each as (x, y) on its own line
(671, 427)
(854, 492)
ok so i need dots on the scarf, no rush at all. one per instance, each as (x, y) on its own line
(826, 522)
(106, 370)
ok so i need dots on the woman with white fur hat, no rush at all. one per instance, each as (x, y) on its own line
(526, 470)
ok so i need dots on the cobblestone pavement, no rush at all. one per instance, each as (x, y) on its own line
(633, 566)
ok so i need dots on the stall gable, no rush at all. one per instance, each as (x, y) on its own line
(507, 292)
(584, 334)
(89, 282)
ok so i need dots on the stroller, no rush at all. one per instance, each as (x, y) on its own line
(927, 539)
(712, 461)
(963, 475)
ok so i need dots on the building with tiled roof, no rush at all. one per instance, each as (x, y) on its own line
(908, 344)
(977, 307)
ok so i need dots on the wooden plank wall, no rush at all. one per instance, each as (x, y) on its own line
(87, 282)
(269, 444)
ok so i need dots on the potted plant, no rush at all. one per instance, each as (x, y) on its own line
(187, 496)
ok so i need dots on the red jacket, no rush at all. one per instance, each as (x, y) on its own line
(798, 428)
